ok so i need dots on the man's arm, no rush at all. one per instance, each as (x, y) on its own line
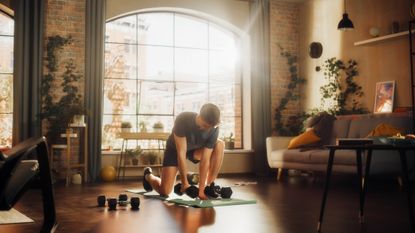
(203, 171)
(181, 147)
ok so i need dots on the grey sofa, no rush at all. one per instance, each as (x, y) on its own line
(352, 126)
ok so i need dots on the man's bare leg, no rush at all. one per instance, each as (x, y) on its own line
(216, 160)
(163, 185)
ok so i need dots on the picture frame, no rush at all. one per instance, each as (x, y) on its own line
(384, 97)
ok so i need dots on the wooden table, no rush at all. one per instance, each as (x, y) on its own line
(161, 138)
(402, 149)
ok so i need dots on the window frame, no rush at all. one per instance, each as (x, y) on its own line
(242, 44)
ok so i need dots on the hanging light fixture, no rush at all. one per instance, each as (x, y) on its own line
(345, 23)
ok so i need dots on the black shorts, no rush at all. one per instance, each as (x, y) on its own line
(170, 157)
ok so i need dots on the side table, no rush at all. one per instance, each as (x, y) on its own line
(402, 149)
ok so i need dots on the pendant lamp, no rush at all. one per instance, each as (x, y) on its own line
(345, 23)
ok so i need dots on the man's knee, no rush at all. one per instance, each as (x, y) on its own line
(165, 191)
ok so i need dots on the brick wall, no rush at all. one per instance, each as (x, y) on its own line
(67, 18)
(64, 18)
(284, 26)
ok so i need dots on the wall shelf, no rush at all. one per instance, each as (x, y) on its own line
(382, 38)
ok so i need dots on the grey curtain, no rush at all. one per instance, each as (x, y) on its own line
(260, 82)
(94, 72)
(28, 47)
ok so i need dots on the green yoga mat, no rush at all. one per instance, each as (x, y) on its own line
(187, 201)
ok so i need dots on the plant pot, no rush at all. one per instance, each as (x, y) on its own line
(134, 161)
(229, 145)
(158, 130)
(125, 130)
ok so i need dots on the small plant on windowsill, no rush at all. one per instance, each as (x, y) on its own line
(229, 142)
(126, 127)
(142, 126)
(134, 154)
(150, 158)
(158, 127)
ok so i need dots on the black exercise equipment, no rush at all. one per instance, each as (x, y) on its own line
(101, 200)
(121, 201)
(191, 191)
(17, 175)
(214, 191)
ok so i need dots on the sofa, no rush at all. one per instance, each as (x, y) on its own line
(350, 126)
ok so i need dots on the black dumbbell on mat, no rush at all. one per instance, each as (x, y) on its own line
(191, 191)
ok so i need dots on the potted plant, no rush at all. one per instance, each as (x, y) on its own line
(158, 127)
(133, 154)
(126, 126)
(150, 158)
(229, 141)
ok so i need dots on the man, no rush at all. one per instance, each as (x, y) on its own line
(195, 137)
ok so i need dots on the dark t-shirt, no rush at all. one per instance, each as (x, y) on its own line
(185, 126)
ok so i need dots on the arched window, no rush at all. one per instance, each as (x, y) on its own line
(6, 78)
(159, 64)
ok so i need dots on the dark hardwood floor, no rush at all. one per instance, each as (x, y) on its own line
(291, 205)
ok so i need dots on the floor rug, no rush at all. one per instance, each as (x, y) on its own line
(187, 201)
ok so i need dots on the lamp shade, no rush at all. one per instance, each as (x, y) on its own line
(345, 23)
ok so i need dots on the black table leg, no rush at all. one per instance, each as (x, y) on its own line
(360, 182)
(407, 186)
(366, 177)
(326, 186)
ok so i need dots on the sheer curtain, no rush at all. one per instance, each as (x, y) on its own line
(260, 82)
(94, 72)
(28, 47)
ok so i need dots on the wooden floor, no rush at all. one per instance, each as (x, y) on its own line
(291, 205)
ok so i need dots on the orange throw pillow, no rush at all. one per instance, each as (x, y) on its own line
(384, 130)
(306, 138)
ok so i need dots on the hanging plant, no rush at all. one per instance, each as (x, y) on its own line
(59, 113)
(341, 95)
(293, 125)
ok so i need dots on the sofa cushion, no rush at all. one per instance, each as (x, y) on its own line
(306, 138)
(384, 129)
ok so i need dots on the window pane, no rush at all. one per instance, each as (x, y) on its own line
(156, 98)
(155, 63)
(155, 28)
(221, 67)
(227, 97)
(6, 54)
(190, 97)
(120, 61)
(149, 121)
(111, 126)
(6, 126)
(6, 93)
(190, 32)
(191, 65)
(120, 96)
(220, 39)
(122, 30)
(6, 25)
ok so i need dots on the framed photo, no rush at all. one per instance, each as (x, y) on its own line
(384, 96)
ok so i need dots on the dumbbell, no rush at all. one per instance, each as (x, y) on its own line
(191, 191)
(215, 190)
(122, 201)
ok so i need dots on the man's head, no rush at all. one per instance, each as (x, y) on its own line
(208, 117)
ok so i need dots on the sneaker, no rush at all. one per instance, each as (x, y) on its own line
(146, 184)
